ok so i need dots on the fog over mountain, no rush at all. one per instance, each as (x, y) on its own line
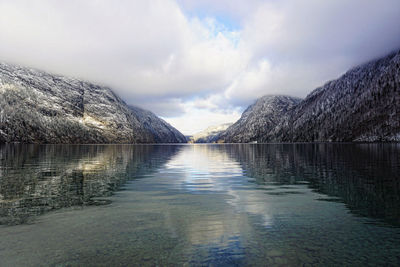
(361, 106)
(198, 63)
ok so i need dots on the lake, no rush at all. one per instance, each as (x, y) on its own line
(216, 205)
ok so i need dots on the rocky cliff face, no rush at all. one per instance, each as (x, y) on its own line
(37, 107)
(259, 119)
(211, 134)
(362, 105)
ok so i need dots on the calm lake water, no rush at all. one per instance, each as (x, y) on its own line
(283, 204)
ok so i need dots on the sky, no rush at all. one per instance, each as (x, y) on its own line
(198, 63)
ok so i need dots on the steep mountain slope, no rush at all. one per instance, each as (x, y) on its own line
(162, 131)
(211, 134)
(37, 107)
(259, 119)
(362, 105)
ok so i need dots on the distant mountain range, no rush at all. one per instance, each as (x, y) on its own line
(363, 105)
(209, 135)
(38, 107)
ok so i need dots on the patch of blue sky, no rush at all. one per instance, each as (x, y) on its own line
(224, 19)
(217, 23)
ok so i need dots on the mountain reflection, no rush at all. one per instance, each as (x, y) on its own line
(38, 178)
(363, 176)
(203, 205)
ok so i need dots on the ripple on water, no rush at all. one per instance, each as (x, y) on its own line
(316, 204)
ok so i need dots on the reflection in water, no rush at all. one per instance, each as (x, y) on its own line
(36, 179)
(364, 176)
(201, 204)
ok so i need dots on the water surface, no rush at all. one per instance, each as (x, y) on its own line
(282, 204)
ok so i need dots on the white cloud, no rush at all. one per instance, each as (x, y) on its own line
(201, 113)
(198, 63)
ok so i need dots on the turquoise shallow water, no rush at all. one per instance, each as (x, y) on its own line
(218, 205)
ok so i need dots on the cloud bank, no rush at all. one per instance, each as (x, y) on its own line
(198, 63)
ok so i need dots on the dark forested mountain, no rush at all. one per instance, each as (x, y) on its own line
(362, 105)
(260, 118)
(37, 107)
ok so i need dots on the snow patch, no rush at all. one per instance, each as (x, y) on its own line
(92, 121)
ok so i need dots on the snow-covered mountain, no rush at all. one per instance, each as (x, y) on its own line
(362, 105)
(162, 131)
(210, 134)
(38, 107)
(259, 119)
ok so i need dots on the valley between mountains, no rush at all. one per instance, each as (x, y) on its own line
(363, 105)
